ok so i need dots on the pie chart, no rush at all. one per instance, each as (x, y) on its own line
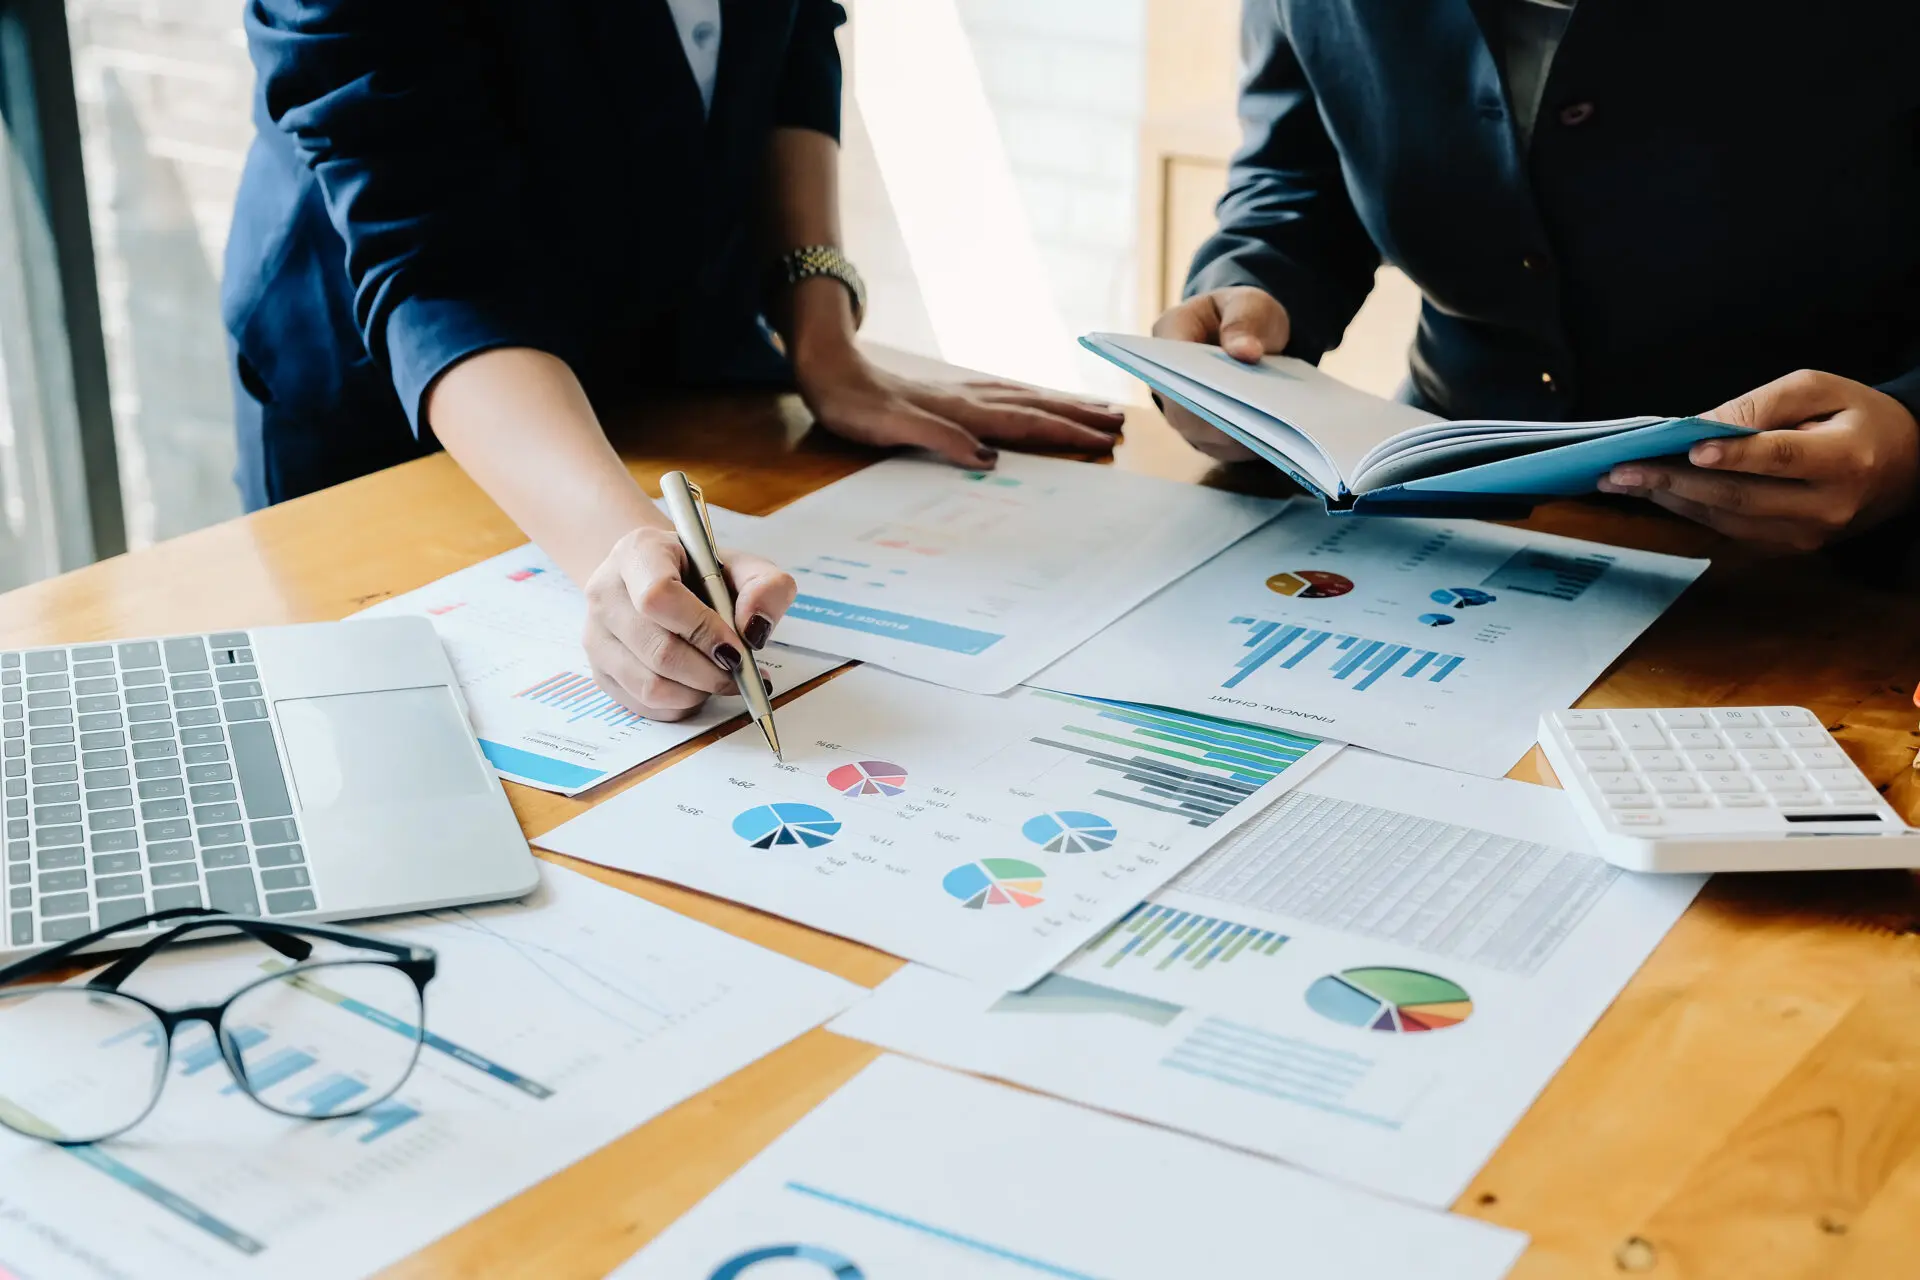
(767, 825)
(831, 1265)
(996, 882)
(1462, 597)
(1437, 619)
(1310, 584)
(1070, 831)
(1392, 1000)
(868, 778)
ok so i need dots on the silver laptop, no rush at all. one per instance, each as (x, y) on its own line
(323, 772)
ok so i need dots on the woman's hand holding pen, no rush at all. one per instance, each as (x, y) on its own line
(654, 645)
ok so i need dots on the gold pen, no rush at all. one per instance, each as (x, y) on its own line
(687, 507)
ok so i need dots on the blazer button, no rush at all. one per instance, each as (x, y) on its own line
(1577, 114)
(1546, 380)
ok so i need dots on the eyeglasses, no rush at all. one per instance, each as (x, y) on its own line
(316, 1041)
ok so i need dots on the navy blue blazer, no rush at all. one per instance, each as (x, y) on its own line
(1717, 194)
(432, 178)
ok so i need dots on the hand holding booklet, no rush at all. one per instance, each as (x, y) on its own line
(1369, 456)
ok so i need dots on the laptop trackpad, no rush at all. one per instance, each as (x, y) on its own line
(363, 750)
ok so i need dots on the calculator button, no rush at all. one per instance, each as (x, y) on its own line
(1617, 784)
(1742, 800)
(1637, 819)
(1782, 781)
(1636, 801)
(1686, 802)
(1637, 729)
(1659, 761)
(1789, 717)
(1604, 761)
(1683, 719)
(1753, 738)
(1775, 760)
(1591, 740)
(1698, 738)
(1673, 783)
(1808, 803)
(1722, 782)
(1716, 760)
(1836, 779)
(1861, 799)
(1736, 718)
(1815, 737)
(1582, 720)
(1824, 758)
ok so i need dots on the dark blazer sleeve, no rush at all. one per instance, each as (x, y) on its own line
(386, 102)
(1906, 389)
(1287, 224)
(809, 93)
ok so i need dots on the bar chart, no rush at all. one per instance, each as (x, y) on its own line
(1176, 762)
(1163, 936)
(1350, 655)
(580, 697)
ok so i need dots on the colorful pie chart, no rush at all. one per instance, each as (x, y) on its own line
(1070, 831)
(996, 882)
(1310, 584)
(768, 826)
(868, 778)
(1392, 1000)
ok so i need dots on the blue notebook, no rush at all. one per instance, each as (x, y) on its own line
(1368, 456)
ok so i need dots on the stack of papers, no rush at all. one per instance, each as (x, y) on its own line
(512, 626)
(911, 1172)
(554, 1027)
(988, 836)
(1372, 980)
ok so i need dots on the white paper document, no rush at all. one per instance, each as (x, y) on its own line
(917, 1173)
(977, 580)
(511, 626)
(1439, 641)
(987, 836)
(553, 1028)
(1372, 980)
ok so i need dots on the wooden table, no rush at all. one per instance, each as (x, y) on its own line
(1750, 1107)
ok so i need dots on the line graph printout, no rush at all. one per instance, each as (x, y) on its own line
(552, 1029)
(987, 836)
(1372, 979)
(1437, 641)
(913, 1171)
(511, 626)
(977, 580)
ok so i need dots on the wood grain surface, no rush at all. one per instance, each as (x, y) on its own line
(1750, 1107)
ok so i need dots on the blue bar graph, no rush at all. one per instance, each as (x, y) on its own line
(384, 1119)
(1175, 761)
(577, 694)
(329, 1094)
(276, 1067)
(1352, 655)
(205, 1052)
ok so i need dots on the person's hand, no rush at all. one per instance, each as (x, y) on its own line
(961, 422)
(655, 646)
(1832, 457)
(1243, 321)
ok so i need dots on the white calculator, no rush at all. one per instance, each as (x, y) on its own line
(1722, 789)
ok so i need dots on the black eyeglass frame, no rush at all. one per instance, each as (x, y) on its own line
(418, 963)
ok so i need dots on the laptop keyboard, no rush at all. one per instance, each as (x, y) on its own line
(141, 776)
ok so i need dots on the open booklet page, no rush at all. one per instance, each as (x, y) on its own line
(1344, 439)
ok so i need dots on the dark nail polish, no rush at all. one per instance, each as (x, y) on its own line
(987, 455)
(759, 627)
(727, 657)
